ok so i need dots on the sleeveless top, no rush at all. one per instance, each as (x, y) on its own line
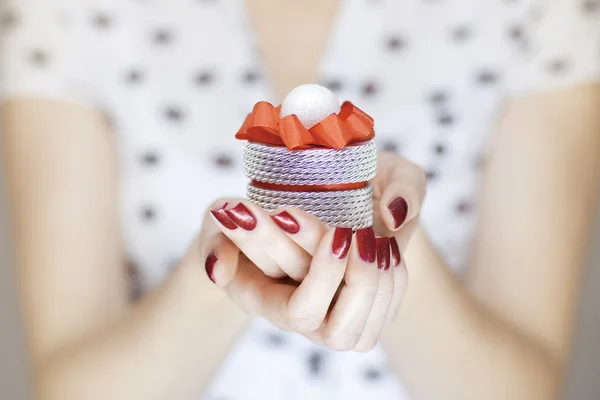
(177, 77)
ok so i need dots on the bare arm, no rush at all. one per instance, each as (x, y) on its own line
(85, 342)
(506, 333)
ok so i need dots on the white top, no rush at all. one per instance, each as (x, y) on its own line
(177, 78)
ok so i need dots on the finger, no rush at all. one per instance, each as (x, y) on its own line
(258, 294)
(215, 252)
(239, 236)
(303, 228)
(349, 314)
(403, 192)
(400, 282)
(310, 302)
(263, 241)
(383, 298)
(222, 261)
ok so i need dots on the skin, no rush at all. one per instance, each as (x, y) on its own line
(502, 332)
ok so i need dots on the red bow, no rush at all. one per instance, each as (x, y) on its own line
(263, 125)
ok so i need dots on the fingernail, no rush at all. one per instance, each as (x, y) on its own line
(399, 210)
(383, 253)
(286, 222)
(209, 265)
(395, 252)
(342, 238)
(242, 217)
(224, 219)
(366, 244)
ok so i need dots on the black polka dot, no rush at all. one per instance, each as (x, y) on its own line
(389, 145)
(223, 161)
(251, 76)
(439, 149)
(175, 114)
(102, 20)
(8, 19)
(275, 339)
(445, 119)
(558, 66)
(464, 207)
(438, 97)
(204, 78)
(487, 77)
(148, 213)
(136, 285)
(591, 6)
(369, 89)
(479, 161)
(162, 36)
(516, 32)
(39, 57)
(431, 175)
(134, 76)
(395, 42)
(150, 158)
(373, 374)
(315, 363)
(461, 33)
(335, 85)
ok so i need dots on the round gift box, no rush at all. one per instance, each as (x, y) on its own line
(331, 184)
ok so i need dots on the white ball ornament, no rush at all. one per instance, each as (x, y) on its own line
(310, 103)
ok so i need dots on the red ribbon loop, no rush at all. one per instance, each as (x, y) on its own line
(263, 125)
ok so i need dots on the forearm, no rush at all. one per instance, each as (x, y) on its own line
(443, 344)
(167, 347)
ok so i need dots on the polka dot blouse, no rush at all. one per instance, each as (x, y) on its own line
(177, 77)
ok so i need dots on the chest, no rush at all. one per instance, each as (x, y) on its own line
(292, 37)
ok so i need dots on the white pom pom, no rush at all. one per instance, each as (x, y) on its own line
(310, 103)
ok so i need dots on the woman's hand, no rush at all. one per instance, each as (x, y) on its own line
(350, 284)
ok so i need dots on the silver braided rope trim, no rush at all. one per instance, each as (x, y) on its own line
(278, 165)
(344, 208)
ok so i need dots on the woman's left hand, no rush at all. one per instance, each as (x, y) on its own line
(343, 286)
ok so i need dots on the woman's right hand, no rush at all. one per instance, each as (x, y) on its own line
(333, 294)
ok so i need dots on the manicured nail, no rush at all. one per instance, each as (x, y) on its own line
(366, 244)
(399, 210)
(242, 217)
(396, 258)
(223, 218)
(383, 253)
(209, 265)
(342, 238)
(286, 222)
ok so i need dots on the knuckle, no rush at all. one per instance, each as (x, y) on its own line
(302, 323)
(364, 346)
(342, 341)
(366, 287)
(383, 295)
(331, 274)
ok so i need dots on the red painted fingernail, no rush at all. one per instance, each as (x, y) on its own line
(209, 265)
(286, 222)
(396, 258)
(223, 218)
(366, 244)
(399, 210)
(242, 217)
(383, 253)
(342, 238)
